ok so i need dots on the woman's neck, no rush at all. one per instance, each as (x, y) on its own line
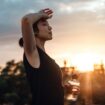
(40, 43)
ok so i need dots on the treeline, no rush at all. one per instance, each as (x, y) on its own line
(14, 88)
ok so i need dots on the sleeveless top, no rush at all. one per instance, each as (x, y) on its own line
(46, 81)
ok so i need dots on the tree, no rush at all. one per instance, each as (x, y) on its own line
(14, 88)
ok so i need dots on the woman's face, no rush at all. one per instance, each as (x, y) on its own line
(45, 31)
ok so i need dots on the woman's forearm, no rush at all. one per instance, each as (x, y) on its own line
(32, 17)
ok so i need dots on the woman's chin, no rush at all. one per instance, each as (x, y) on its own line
(50, 38)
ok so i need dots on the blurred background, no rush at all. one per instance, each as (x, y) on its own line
(77, 46)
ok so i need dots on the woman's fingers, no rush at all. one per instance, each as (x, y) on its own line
(47, 12)
(47, 9)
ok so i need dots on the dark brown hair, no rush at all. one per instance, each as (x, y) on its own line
(21, 42)
(35, 29)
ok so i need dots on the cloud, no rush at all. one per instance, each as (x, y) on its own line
(13, 10)
(87, 5)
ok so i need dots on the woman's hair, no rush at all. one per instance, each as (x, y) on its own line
(35, 29)
(21, 42)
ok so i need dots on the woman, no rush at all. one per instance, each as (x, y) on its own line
(43, 74)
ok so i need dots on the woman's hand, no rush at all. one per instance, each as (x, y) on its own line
(68, 88)
(46, 13)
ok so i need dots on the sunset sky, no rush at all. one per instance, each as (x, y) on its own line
(78, 30)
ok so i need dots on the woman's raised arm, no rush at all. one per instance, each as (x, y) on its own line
(27, 28)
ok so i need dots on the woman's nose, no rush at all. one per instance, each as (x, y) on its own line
(50, 28)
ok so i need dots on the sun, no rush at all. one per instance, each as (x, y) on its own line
(85, 61)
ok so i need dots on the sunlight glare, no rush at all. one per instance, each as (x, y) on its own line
(85, 61)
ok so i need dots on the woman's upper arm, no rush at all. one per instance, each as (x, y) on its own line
(28, 35)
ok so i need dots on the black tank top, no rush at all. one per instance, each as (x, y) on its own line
(45, 82)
